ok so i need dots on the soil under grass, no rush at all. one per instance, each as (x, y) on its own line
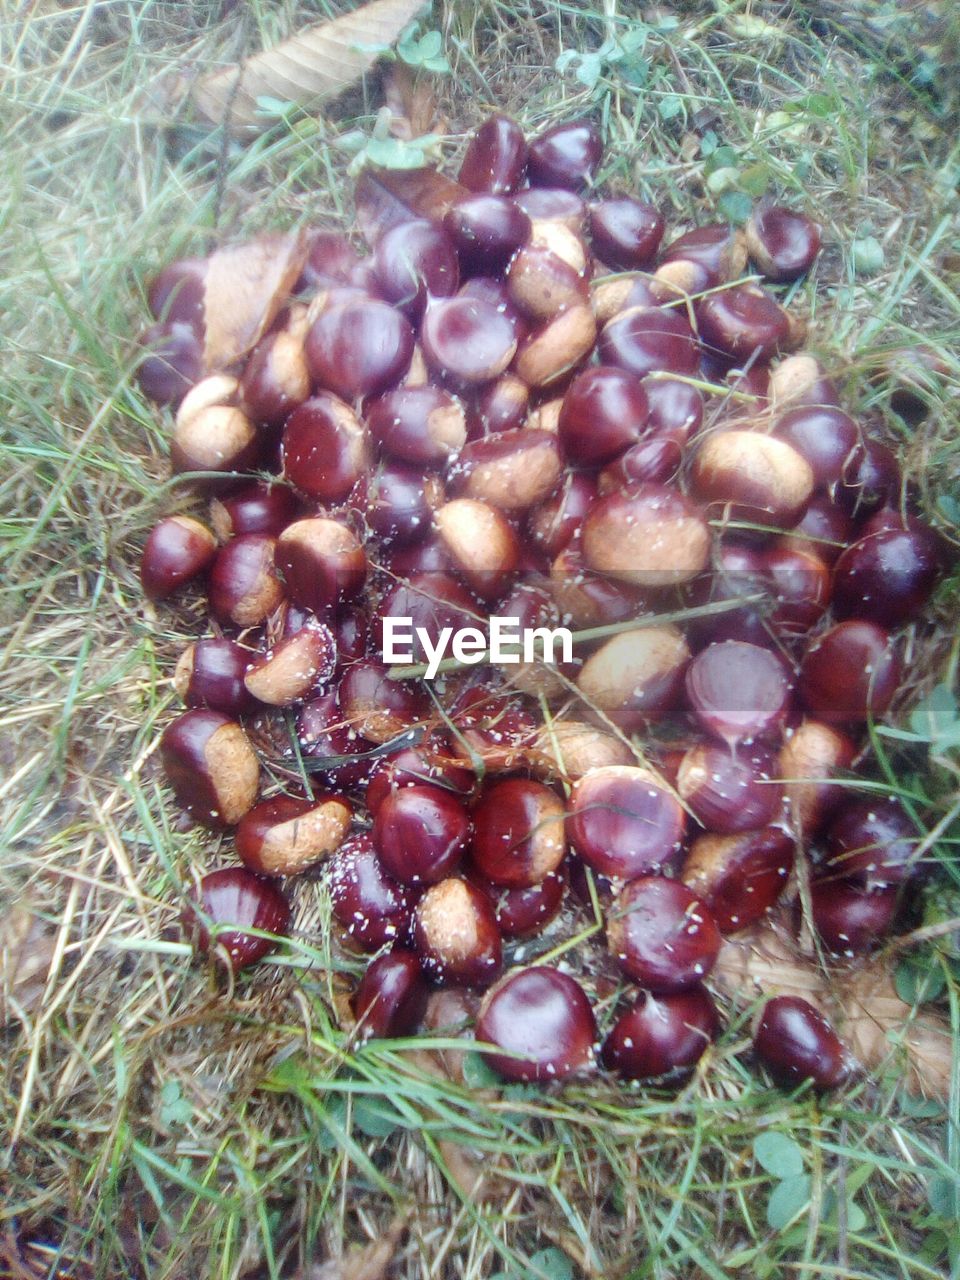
(159, 1124)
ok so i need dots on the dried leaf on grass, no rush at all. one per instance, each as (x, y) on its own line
(245, 287)
(412, 103)
(387, 197)
(370, 1262)
(864, 1007)
(26, 950)
(308, 69)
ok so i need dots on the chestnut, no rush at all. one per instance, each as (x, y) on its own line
(216, 390)
(553, 204)
(539, 1024)
(873, 841)
(796, 1043)
(486, 231)
(781, 242)
(646, 340)
(178, 549)
(801, 586)
(673, 408)
(874, 481)
(635, 678)
(261, 507)
(739, 691)
(284, 835)
(745, 322)
(848, 919)
(325, 450)
(604, 411)
(662, 935)
(730, 791)
(173, 362)
(571, 748)
(825, 527)
(177, 291)
(422, 425)
(276, 378)
(324, 733)
(739, 876)
(661, 1036)
(518, 837)
(359, 348)
(625, 232)
(210, 674)
(554, 522)
(400, 502)
(294, 668)
(427, 763)
(375, 706)
(322, 563)
(493, 731)
(799, 380)
(331, 260)
(420, 833)
(849, 674)
(524, 911)
(481, 543)
(827, 437)
(392, 996)
(716, 252)
(467, 340)
(211, 766)
(244, 587)
(887, 577)
(812, 755)
(566, 155)
(649, 535)
(500, 406)
(220, 439)
(557, 347)
(456, 934)
(372, 907)
(542, 282)
(512, 471)
(431, 601)
(590, 599)
(622, 822)
(656, 460)
(413, 261)
(496, 157)
(232, 901)
(752, 477)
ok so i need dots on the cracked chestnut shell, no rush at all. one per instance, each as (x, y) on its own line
(211, 766)
(662, 935)
(661, 1036)
(541, 1022)
(235, 896)
(796, 1043)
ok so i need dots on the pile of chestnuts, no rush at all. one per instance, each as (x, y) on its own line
(522, 403)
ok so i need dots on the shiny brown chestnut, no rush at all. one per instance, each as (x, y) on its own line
(392, 996)
(549, 354)
(662, 935)
(519, 836)
(499, 406)
(456, 936)
(887, 577)
(428, 763)
(571, 748)
(731, 791)
(872, 841)
(849, 674)
(431, 601)
(467, 340)
(782, 242)
(324, 733)
(848, 919)
(359, 348)
(321, 562)
(331, 260)
(646, 340)
(540, 1025)
(622, 822)
(496, 157)
(604, 412)
(294, 668)
(875, 481)
(661, 1036)
(372, 907)
(525, 911)
(420, 833)
(812, 756)
(553, 523)
(625, 232)
(261, 507)
(796, 1043)
(827, 437)
(481, 543)
(566, 155)
(232, 901)
(741, 876)
(673, 408)
(176, 293)
(244, 587)
(513, 470)
(588, 599)
(745, 322)
(493, 730)
(553, 204)
(284, 835)
(276, 378)
(400, 502)
(541, 284)
(325, 449)
(178, 549)
(825, 527)
(173, 362)
(656, 460)
(649, 535)
(422, 425)
(210, 674)
(211, 766)
(798, 380)
(413, 261)
(800, 584)
(717, 252)
(739, 691)
(636, 678)
(220, 439)
(752, 477)
(375, 706)
(486, 231)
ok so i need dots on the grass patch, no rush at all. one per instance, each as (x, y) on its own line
(159, 1125)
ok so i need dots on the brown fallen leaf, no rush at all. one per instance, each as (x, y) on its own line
(308, 69)
(26, 949)
(412, 103)
(245, 287)
(862, 1004)
(387, 197)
